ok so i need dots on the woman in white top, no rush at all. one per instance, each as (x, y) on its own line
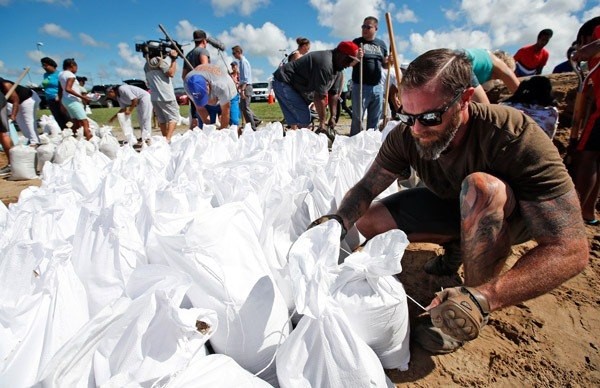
(72, 97)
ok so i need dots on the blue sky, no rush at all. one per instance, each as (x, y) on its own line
(101, 35)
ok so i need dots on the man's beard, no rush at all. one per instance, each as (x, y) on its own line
(434, 150)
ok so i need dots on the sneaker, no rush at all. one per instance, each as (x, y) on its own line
(446, 264)
(434, 340)
(5, 171)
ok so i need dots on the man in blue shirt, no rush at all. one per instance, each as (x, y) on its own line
(245, 87)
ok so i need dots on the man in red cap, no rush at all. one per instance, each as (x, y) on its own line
(312, 78)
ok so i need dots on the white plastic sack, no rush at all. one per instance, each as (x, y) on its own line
(374, 300)
(109, 146)
(323, 350)
(219, 249)
(66, 148)
(49, 125)
(215, 370)
(126, 127)
(139, 339)
(22, 161)
(45, 152)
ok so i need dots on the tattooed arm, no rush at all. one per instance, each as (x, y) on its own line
(358, 199)
(561, 253)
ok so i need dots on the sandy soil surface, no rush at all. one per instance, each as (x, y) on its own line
(549, 341)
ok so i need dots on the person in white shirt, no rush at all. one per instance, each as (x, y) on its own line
(72, 97)
(129, 98)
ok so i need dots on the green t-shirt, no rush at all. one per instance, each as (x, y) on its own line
(500, 141)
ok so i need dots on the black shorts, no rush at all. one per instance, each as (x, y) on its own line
(418, 210)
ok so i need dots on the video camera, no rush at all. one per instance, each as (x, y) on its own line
(155, 48)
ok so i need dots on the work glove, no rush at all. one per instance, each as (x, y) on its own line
(462, 313)
(326, 218)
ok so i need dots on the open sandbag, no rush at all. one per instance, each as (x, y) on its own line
(138, 339)
(323, 350)
(374, 300)
(219, 249)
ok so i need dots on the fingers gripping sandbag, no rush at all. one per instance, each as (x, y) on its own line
(462, 313)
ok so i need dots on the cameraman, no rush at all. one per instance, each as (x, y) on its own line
(159, 71)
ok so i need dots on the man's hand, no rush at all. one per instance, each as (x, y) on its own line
(326, 218)
(459, 312)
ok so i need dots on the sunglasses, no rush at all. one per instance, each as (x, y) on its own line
(431, 118)
(366, 27)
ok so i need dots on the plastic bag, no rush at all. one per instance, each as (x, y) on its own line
(374, 300)
(45, 152)
(22, 161)
(323, 350)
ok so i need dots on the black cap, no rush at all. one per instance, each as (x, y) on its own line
(199, 35)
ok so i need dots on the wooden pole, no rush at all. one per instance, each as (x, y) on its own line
(388, 19)
(16, 83)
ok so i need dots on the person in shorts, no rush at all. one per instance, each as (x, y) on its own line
(159, 73)
(72, 97)
(492, 179)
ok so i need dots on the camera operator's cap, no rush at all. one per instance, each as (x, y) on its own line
(197, 88)
(349, 48)
(199, 35)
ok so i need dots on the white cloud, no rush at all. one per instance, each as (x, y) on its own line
(4, 3)
(591, 13)
(265, 41)
(55, 30)
(244, 7)
(406, 15)
(87, 40)
(495, 24)
(184, 31)
(453, 39)
(345, 17)
(134, 63)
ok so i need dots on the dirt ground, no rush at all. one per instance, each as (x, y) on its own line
(549, 341)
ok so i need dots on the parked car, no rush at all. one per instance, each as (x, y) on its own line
(260, 91)
(181, 96)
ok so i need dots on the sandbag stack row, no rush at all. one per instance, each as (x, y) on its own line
(118, 272)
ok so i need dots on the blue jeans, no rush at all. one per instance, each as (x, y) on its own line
(295, 109)
(215, 110)
(372, 102)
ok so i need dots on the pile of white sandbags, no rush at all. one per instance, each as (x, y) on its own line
(119, 272)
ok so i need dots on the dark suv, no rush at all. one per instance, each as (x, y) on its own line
(103, 101)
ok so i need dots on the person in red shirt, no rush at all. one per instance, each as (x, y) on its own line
(587, 157)
(531, 59)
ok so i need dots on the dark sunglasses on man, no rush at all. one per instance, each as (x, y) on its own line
(431, 118)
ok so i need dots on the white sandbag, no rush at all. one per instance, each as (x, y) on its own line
(22, 161)
(109, 146)
(49, 125)
(106, 246)
(126, 127)
(66, 148)
(323, 350)
(215, 370)
(219, 249)
(36, 325)
(138, 339)
(374, 300)
(45, 151)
